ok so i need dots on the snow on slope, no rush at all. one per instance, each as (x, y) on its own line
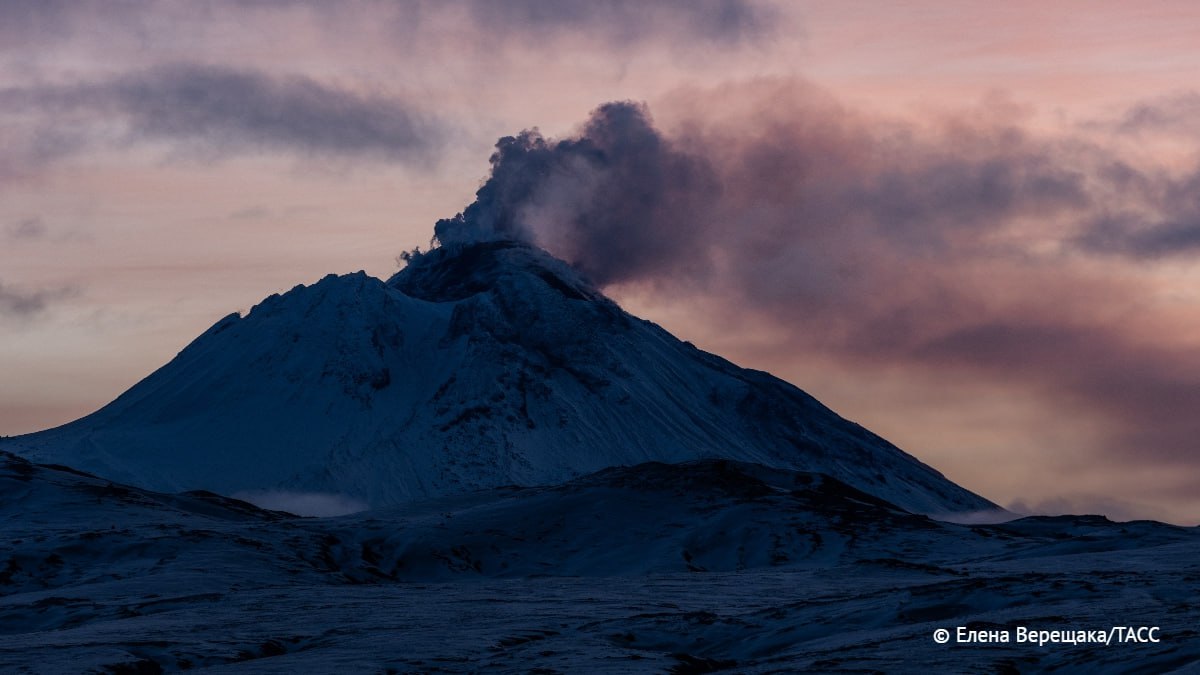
(476, 366)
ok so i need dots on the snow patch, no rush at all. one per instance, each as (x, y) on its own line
(315, 504)
(984, 517)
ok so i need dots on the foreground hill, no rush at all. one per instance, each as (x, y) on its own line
(694, 567)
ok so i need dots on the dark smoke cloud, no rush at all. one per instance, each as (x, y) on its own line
(612, 201)
(1154, 214)
(962, 245)
(1175, 114)
(24, 22)
(1158, 217)
(1130, 235)
(224, 111)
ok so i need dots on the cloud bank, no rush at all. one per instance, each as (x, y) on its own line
(617, 22)
(965, 245)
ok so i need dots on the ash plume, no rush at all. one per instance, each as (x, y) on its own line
(969, 243)
(611, 200)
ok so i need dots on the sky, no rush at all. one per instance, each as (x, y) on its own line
(972, 227)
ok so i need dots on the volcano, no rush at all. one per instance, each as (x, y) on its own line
(553, 485)
(476, 366)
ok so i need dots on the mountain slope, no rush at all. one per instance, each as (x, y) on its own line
(476, 366)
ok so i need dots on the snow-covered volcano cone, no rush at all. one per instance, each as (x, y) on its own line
(478, 365)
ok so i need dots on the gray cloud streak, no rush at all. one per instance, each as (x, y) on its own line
(223, 111)
(725, 22)
(26, 303)
(231, 108)
(27, 229)
(618, 23)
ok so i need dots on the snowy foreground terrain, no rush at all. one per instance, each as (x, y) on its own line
(690, 568)
(676, 513)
